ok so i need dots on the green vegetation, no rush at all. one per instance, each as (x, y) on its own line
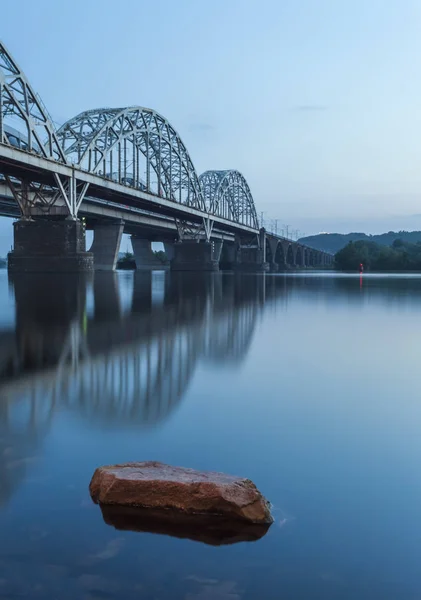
(401, 256)
(160, 255)
(333, 242)
(128, 263)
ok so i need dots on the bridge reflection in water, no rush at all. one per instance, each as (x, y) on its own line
(127, 368)
(127, 362)
(110, 364)
(131, 365)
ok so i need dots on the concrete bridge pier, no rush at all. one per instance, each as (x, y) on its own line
(299, 257)
(280, 256)
(289, 254)
(228, 256)
(144, 257)
(194, 255)
(273, 246)
(217, 250)
(106, 244)
(251, 254)
(48, 245)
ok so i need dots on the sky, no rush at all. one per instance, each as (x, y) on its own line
(316, 102)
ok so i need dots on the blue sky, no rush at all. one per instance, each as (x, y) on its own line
(316, 102)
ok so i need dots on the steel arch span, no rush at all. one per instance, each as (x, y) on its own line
(24, 121)
(227, 195)
(134, 146)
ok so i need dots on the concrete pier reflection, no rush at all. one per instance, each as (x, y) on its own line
(131, 369)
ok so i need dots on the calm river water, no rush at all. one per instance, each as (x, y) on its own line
(308, 384)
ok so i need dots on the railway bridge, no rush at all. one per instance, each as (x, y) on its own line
(122, 170)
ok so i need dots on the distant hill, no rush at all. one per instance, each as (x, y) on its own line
(333, 242)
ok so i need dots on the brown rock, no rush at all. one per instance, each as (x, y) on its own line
(209, 529)
(158, 486)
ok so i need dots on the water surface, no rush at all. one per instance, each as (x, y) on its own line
(308, 384)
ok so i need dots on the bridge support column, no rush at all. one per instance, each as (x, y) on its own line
(299, 259)
(252, 254)
(106, 244)
(194, 255)
(49, 246)
(228, 256)
(144, 257)
(217, 250)
(273, 245)
(285, 246)
(290, 253)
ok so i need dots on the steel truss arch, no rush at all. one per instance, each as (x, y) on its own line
(228, 195)
(24, 120)
(135, 146)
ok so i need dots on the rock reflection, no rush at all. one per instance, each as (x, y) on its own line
(211, 530)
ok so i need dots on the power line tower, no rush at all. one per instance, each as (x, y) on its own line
(276, 226)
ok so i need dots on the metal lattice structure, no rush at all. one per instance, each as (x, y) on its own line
(134, 146)
(228, 195)
(24, 121)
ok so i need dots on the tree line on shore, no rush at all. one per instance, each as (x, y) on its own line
(400, 256)
(333, 242)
